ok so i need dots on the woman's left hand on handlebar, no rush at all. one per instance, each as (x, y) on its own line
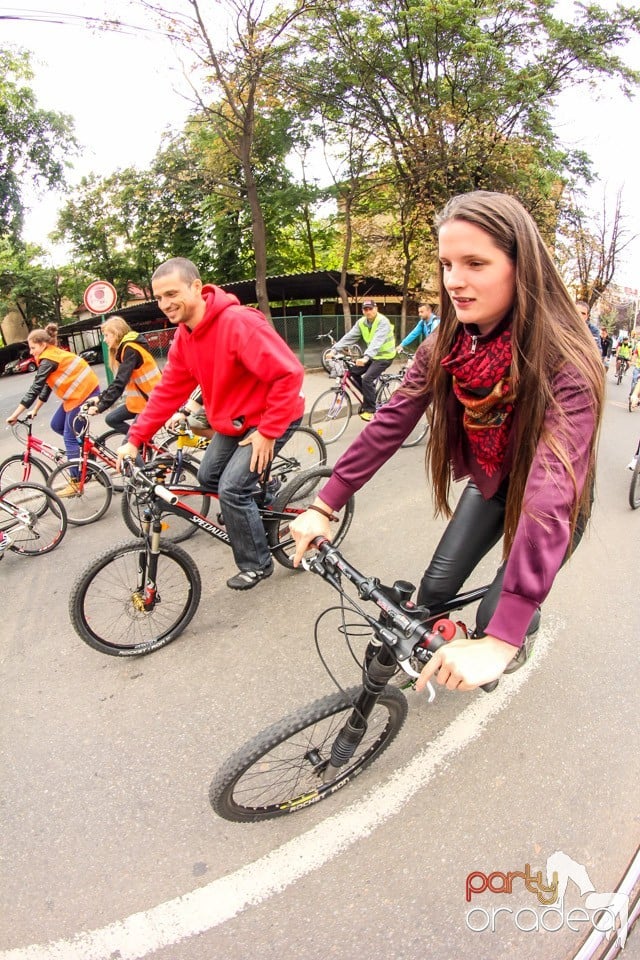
(467, 663)
(305, 529)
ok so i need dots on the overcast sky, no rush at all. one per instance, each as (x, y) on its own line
(123, 91)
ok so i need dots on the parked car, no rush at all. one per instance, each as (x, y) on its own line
(92, 354)
(21, 365)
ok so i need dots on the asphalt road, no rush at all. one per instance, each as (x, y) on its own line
(107, 829)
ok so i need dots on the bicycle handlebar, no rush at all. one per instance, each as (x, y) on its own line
(404, 625)
(138, 476)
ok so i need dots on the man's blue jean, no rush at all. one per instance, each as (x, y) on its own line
(62, 423)
(225, 468)
(635, 374)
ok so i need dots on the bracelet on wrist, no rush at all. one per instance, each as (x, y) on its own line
(329, 516)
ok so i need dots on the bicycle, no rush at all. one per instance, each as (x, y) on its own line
(318, 749)
(33, 518)
(331, 412)
(327, 360)
(303, 450)
(622, 365)
(140, 595)
(19, 467)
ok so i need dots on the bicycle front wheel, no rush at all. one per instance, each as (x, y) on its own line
(281, 770)
(43, 521)
(634, 487)
(331, 413)
(418, 433)
(15, 470)
(107, 605)
(85, 489)
(175, 528)
(293, 500)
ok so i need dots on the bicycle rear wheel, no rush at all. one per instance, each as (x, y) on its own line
(634, 487)
(85, 489)
(281, 770)
(45, 519)
(304, 449)
(15, 470)
(293, 500)
(107, 607)
(175, 528)
(331, 413)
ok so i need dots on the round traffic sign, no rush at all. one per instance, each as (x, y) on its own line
(100, 296)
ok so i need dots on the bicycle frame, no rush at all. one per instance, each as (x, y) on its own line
(36, 445)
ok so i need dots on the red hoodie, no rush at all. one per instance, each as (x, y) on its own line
(248, 375)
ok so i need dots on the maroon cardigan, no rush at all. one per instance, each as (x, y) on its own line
(539, 545)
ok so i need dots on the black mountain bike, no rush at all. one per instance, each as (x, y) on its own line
(140, 595)
(315, 751)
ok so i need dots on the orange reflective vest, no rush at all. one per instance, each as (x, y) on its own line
(73, 380)
(143, 379)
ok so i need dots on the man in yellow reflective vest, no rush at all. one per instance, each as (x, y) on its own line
(376, 331)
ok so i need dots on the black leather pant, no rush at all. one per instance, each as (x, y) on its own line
(475, 527)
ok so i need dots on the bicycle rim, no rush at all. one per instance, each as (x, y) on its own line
(281, 770)
(46, 522)
(330, 414)
(106, 607)
(418, 433)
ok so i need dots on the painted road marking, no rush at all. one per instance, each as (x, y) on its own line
(222, 899)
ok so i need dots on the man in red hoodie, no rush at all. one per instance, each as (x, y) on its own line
(251, 386)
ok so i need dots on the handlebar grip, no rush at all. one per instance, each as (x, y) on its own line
(165, 494)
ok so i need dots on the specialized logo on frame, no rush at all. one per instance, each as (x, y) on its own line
(606, 912)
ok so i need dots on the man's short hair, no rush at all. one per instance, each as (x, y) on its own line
(185, 268)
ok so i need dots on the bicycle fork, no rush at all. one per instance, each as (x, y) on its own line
(146, 594)
(381, 667)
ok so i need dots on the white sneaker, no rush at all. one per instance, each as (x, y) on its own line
(632, 464)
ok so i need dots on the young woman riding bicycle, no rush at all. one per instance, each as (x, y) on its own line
(136, 374)
(515, 384)
(71, 379)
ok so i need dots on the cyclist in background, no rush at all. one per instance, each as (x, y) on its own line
(623, 353)
(515, 384)
(376, 331)
(426, 324)
(135, 372)
(72, 380)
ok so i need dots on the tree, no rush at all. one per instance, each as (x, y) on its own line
(33, 142)
(459, 95)
(34, 290)
(240, 84)
(590, 248)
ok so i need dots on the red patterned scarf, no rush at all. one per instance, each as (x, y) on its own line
(481, 371)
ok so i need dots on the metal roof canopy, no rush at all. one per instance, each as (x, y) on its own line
(315, 286)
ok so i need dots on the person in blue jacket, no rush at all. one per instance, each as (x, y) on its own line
(426, 324)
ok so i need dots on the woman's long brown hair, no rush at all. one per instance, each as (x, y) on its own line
(546, 334)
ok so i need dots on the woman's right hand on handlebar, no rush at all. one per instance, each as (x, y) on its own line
(306, 528)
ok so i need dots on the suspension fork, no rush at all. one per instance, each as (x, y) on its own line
(377, 672)
(147, 588)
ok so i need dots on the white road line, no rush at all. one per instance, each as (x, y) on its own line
(222, 899)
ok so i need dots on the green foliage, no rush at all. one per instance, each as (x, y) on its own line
(33, 142)
(28, 286)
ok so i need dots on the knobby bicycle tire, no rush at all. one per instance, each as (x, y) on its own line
(634, 487)
(15, 470)
(331, 413)
(105, 606)
(94, 494)
(293, 500)
(175, 528)
(47, 523)
(280, 770)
